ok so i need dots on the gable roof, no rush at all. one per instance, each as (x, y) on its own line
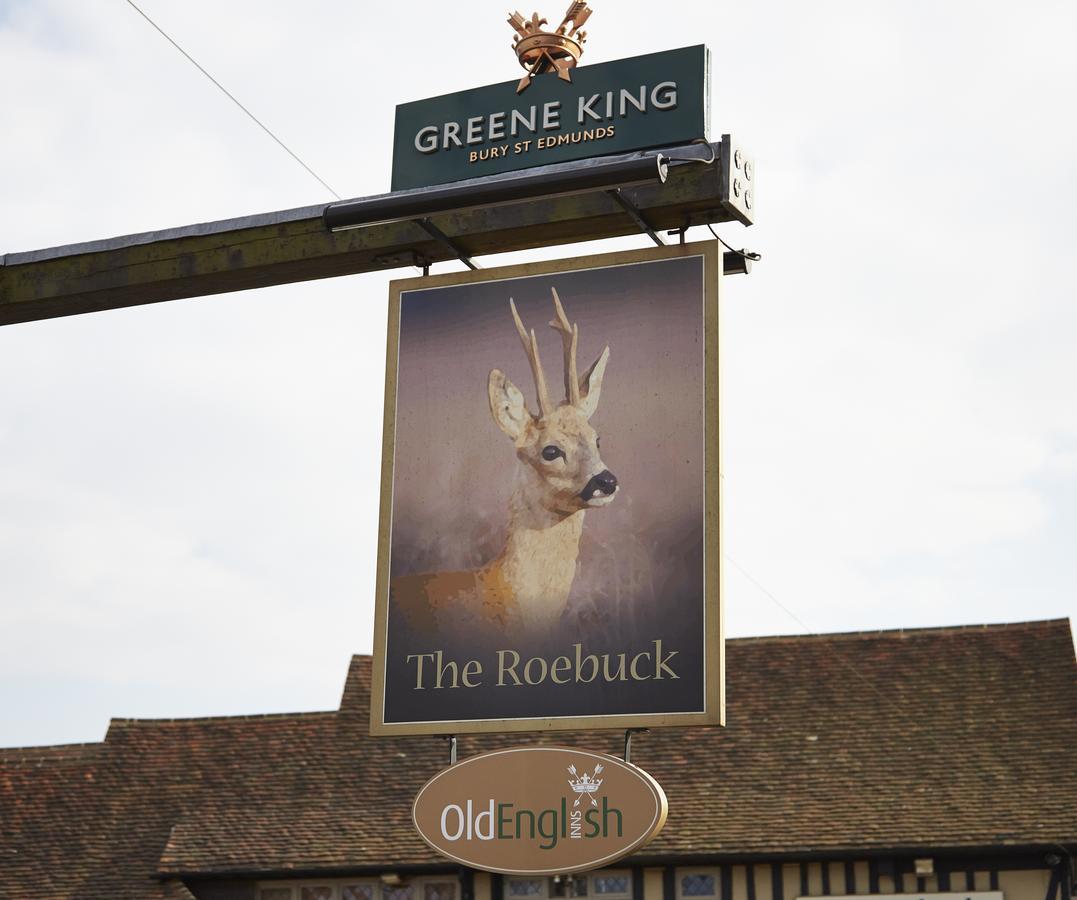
(921, 739)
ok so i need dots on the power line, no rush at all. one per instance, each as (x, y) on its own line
(768, 594)
(836, 652)
(229, 95)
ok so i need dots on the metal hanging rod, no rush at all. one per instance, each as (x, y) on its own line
(628, 741)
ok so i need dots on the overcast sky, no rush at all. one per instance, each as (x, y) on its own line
(188, 490)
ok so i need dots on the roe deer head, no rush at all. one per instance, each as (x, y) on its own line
(560, 475)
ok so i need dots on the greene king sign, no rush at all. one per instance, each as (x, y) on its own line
(539, 810)
(657, 100)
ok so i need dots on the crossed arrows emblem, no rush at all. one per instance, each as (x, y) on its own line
(540, 51)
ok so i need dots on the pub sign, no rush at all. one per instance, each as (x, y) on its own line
(645, 102)
(539, 810)
(549, 542)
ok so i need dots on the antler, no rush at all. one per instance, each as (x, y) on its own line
(531, 349)
(570, 336)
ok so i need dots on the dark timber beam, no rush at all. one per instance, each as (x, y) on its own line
(294, 245)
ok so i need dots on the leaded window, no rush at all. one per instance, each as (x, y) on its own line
(698, 884)
(439, 890)
(611, 884)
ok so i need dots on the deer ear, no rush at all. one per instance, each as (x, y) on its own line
(591, 385)
(507, 405)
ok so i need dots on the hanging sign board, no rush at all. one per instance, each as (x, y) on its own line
(549, 545)
(539, 811)
(657, 100)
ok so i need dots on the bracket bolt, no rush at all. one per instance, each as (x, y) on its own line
(748, 169)
(736, 187)
(738, 158)
(747, 199)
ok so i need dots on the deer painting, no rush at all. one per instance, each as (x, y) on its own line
(559, 476)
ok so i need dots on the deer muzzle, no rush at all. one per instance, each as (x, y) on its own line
(600, 488)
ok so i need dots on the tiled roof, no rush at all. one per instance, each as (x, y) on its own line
(937, 738)
(928, 738)
(47, 817)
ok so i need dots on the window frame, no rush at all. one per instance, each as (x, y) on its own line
(593, 894)
(709, 871)
(590, 877)
(336, 885)
(544, 883)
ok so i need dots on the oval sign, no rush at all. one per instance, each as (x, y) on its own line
(539, 810)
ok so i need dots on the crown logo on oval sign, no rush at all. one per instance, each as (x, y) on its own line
(540, 51)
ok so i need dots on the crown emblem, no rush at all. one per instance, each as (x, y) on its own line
(540, 51)
(585, 784)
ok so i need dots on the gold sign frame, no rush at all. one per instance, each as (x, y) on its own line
(713, 655)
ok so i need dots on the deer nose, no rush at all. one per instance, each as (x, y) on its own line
(606, 481)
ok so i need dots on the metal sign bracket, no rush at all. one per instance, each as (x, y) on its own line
(629, 207)
(431, 229)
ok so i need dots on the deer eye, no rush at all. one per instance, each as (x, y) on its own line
(551, 452)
